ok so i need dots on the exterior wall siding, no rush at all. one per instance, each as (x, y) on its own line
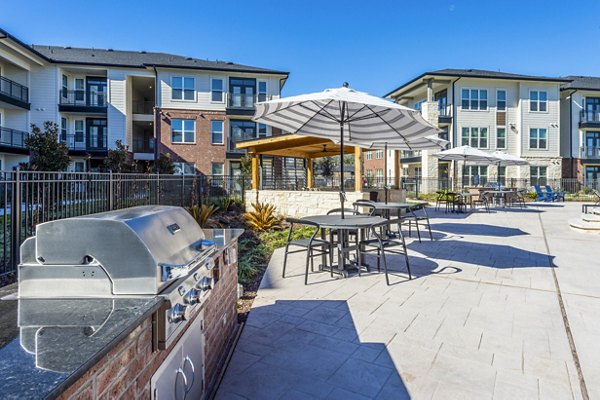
(117, 107)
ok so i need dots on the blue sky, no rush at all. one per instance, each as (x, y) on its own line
(374, 45)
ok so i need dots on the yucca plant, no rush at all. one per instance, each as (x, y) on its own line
(203, 215)
(262, 218)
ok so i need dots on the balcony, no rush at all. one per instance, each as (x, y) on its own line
(143, 149)
(13, 139)
(82, 101)
(14, 93)
(408, 156)
(589, 152)
(445, 115)
(589, 119)
(243, 104)
(144, 107)
(77, 143)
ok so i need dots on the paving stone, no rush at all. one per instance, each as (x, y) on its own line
(361, 377)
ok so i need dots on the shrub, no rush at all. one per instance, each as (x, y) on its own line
(262, 218)
(203, 215)
(531, 195)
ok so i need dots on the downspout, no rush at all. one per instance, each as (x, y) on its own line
(571, 131)
(156, 116)
(454, 115)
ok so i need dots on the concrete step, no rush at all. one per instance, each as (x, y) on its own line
(590, 218)
(584, 226)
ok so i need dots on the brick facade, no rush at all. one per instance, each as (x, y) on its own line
(125, 372)
(202, 153)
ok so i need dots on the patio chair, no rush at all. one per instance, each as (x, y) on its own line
(517, 197)
(313, 247)
(479, 198)
(557, 196)
(597, 194)
(541, 196)
(382, 244)
(362, 204)
(443, 198)
(418, 216)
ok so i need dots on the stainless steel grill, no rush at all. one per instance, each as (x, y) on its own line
(140, 251)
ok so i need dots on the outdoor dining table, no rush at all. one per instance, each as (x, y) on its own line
(499, 196)
(360, 223)
(387, 208)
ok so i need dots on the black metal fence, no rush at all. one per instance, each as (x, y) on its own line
(28, 198)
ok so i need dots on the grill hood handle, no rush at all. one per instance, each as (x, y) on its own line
(175, 271)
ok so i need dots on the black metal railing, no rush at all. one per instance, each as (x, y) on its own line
(143, 145)
(14, 90)
(410, 153)
(445, 111)
(589, 152)
(78, 142)
(28, 198)
(589, 116)
(142, 107)
(13, 137)
(82, 98)
(241, 100)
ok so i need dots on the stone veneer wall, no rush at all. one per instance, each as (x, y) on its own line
(125, 372)
(301, 203)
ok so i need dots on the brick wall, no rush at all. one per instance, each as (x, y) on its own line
(202, 152)
(125, 372)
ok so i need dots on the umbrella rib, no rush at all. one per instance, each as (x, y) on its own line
(394, 129)
(349, 119)
(326, 114)
(313, 116)
(368, 116)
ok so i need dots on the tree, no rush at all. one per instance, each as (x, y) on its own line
(326, 165)
(246, 166)
(46, 153)
(118, 159)
(164, 164)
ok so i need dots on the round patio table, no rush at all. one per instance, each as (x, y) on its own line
(499, 196)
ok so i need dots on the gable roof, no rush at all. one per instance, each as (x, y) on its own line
(140, 59)
(582, 83)
(478, 73)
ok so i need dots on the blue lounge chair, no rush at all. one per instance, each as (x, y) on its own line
(541, 196)
(556, 196)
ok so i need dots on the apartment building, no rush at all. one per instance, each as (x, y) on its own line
(193, 109)
(580, 128)
(489, 110)
(374, 166)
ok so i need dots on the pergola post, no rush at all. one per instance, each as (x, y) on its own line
(309, 173)
(357, 169)
(397, 169)
(255, 172)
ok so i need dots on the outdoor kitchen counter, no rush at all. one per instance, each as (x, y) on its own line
(54, 342)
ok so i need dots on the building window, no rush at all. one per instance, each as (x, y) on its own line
(538, 138)
(217, 169)
(182, 88)
(418, 105)
(63, 129)
(216, 90)
(443, 134)
(216, 132)
(79, 129)
(474, 99)
(418, 172)
(538, 175)
(65, 86)
(379, 175)
(502, 175)
(79, 90)
(79, 166)
(262, 90)
(501, 137)
(183, 131)
(263, 130)
(379, 154)
(184, 168)
(501, 100)
(240, 130)
(369, 155)
(538, 101)
(475, 175)
(475, 137)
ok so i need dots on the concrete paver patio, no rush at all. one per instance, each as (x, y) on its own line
(480, 319)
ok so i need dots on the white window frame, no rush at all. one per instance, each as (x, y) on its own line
(531, 128)
(505, 100)
(183, 78)
(82, 131)
(479, 128)
(379, 154)
(479, 90)
(183, 131)
(223, 90)
(64, 127)
(64, 89)
(537, 176)
(505, 138)
(212, 165)
(369, 155)
(222, 142)
(538, 101)
(267, 130)
(258, 82)
(181, 165)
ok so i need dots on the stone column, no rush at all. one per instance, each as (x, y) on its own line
(429, 164)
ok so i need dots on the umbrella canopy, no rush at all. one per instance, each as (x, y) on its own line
(466, 153)
(505, 159)
(346, 115)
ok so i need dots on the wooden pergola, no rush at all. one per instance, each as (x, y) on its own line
(300, 146)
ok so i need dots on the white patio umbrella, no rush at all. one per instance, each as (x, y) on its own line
(505, 159)
(347, 116)
(466, 153)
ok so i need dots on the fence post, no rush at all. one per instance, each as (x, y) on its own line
(243, 189)
(16, 220)
(182, 190)
(157, 188)
(111, 192)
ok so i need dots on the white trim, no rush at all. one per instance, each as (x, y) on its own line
(547, 101)
(183, 131)
(478, 136)
(487, 109)
(547, 148)
(223, 89)
(505, 137)
(222, 132)
(505, 100)
(183, 77)
(258, 82)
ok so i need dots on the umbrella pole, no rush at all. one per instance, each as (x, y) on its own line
(342, 195)
(385, 175)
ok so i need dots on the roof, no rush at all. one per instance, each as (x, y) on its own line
(479, 73)
(582, 83)
(140, 59)
(294, 145)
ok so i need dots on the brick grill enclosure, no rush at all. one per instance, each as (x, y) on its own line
(125, 372)
(202, 152)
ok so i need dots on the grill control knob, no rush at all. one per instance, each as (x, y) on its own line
(192, 297)
(178, 313)
(205, 283)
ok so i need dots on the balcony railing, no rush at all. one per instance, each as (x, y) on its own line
(143, 145)
(589, 152)
(78, 142)
(82, 98)
(142, 107)
(240, 100)
(589, 116)
(410, 153)
(14, 90)
(13, 138)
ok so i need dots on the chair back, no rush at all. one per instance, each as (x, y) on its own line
(338, 211)
(538, 191)
(369, 205)
(549, 189)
